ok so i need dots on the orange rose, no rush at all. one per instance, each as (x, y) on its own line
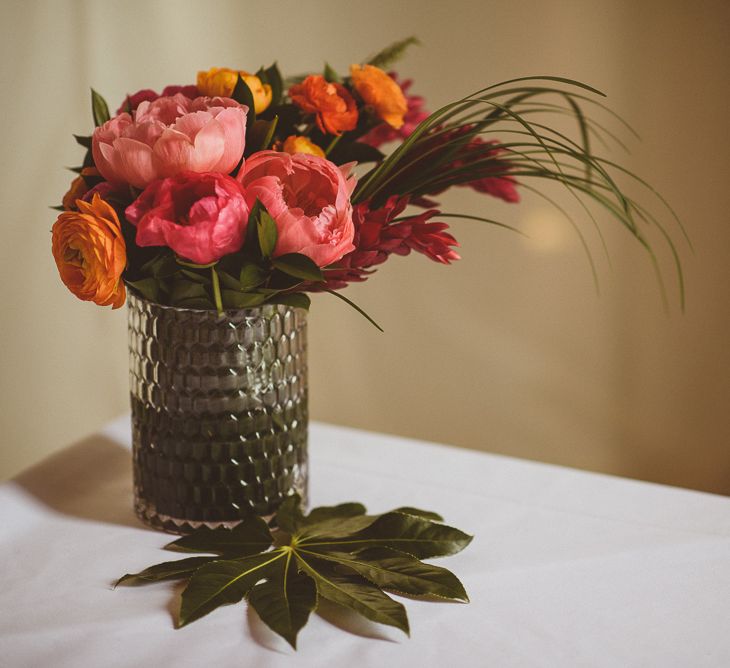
(89, 250)
(299, 144)
(332, 103)
(381, 92)
(221, 81)
(78, 189)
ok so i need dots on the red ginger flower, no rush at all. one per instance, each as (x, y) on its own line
(377, 237)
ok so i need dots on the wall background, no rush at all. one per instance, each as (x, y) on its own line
(508, 351)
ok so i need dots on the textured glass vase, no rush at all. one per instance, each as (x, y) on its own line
(219, 412)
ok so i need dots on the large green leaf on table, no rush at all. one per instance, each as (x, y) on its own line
(414, 535)
(249, 537)
(223, 582)
(169, 570)
(338, 553)
(356, 593)
(398, 572)
(285, 600)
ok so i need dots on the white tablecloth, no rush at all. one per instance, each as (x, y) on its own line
(567, 568)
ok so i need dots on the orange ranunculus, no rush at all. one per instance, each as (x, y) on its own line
(89, 250)
(298, 144)
(332, 103)
(221, 81)
(78, 189)
(381, 92)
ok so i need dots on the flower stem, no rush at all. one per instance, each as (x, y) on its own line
(216, 290)
(332, 144)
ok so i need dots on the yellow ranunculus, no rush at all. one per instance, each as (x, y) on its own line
(220, 82)
(298, 144)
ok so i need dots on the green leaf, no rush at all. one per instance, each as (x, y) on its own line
(267, 233)
(426, 514)
(184, 289)
(285, 600)
(249, 537)
(298, 266)
(149, 288)
(99, 109)
(357, 594)
(289, 516)
(392, 53)
(195, 277)
(406, 533)
(340, 511)
(251, 276)
(334, 528)
(233, 299)
(170, 570)
(223, 582)
(330, 74)
(260, 135)
(294, 299)
(243, 95)
(83, 141)
(356, 307)
(400, 572)
(272, 76)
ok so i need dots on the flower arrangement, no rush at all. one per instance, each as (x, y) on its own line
(247, 189)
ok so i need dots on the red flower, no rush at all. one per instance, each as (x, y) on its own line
(131, 102)
(378, 235)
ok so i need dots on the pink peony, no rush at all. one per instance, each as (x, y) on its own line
(131, 102)
(308, 197)
(202, 217)
(170, 135)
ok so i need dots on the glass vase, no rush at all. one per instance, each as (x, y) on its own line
(219, 412)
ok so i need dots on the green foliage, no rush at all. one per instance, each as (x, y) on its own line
(338, 553)
(243, 95)
(99, 109)
(394, 52)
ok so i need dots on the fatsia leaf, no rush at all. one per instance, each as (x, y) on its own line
(342, 510)
(289, 516)
(400, 572)
(169, 570)
(335, 528)
(223, 582)
(356, 593)
(426, 514)
(249, 537)
(406, 533)
(285, 600)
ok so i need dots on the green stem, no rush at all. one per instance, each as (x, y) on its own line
(216, 290)
(332, 144)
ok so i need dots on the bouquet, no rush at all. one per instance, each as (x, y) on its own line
(248, 189)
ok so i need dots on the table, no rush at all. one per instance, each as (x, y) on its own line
(567, 568)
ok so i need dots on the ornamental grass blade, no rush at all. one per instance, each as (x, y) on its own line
(285, 600)
(356, 593)
(249, 537)
(416, 536)
(169, 570)
(400, 573)
(223, 582)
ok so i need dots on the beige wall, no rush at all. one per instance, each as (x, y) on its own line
(508, 351)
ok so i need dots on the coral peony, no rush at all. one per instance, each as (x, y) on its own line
(335, 108)
(381, 92)
(298, 144)
(221, 82)
(384, 133)
(308, 197)
(89, 250)
(168, 136)
(202, 217)
(131, 102)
